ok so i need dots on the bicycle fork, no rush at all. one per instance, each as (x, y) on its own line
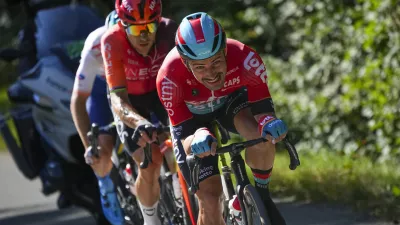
(227, 186)
(227, 182)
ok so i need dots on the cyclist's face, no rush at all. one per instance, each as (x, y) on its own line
(142, 43)
(210, 72)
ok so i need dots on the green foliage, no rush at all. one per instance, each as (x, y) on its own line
(356, 181)
(333, 68)
(338, 88)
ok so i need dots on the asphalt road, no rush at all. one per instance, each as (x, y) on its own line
(21, 203)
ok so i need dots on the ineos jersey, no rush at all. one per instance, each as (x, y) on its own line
(126, 68)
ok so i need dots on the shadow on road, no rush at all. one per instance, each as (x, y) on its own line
(295, 214)
(48, 217)
(323, 214)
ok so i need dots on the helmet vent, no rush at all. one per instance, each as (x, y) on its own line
(188, 50)
(141, 8)
(215, 43)
(131, 18)
(154, 15)
(194, 17)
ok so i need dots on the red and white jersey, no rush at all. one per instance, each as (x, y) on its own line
(182, 95)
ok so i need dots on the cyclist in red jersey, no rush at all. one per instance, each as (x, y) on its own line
(207, 77)
(133, 51)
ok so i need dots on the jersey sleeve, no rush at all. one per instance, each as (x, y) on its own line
(170, 92)
(90, 63)
(111, 50)
(86, 74)
(255, 74)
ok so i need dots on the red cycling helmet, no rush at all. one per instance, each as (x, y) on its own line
(138, 11)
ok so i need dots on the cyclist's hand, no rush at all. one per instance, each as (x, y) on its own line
(272, 128)
(145, 133)
(90, 158)
(204, 143)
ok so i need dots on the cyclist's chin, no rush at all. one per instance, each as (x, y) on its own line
(143, 49)
(213, 86)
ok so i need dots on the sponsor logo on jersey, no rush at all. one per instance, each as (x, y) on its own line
(208, 106)
(232, 71)
(107, 47)
(81, 77)
(167, 87)
(252, 62)
(232, 82)
(133, 62)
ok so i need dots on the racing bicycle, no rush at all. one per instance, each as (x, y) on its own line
(168, 211)
(253, 209)
(122, 174)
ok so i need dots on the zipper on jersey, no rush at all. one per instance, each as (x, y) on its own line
(212, 101)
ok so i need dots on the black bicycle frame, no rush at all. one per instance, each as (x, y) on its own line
(239, 170)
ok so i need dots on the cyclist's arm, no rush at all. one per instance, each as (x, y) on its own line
(80, 116)
(83, 85)
(116, 81)
(256, 78)
(123, 108)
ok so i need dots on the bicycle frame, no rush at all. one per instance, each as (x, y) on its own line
(237, 167)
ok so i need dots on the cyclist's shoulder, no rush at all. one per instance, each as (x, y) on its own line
(166, 33)
(240, 54)
(243, 61)
(113, 35)
(173, 61)
(237, 48)
(94, 38)
(172, 66)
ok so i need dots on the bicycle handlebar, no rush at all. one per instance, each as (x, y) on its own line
(94, 132)
(147, 150)
(194, 162)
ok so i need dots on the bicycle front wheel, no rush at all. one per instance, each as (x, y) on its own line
(254, 206)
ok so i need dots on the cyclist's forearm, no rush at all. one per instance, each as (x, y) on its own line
(123, 108)
(80, 117)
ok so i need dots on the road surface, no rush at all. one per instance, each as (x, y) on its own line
(21, 203)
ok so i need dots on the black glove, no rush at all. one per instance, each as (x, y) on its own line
(142, 126)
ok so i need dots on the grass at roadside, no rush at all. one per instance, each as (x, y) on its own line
(332, 177)
(328, 176)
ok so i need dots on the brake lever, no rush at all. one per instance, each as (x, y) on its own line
(147, 157)
(194, 163)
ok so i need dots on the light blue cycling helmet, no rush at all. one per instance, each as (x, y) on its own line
(111, 19)
(199, 36)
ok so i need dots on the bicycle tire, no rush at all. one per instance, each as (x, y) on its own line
(254, 206)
